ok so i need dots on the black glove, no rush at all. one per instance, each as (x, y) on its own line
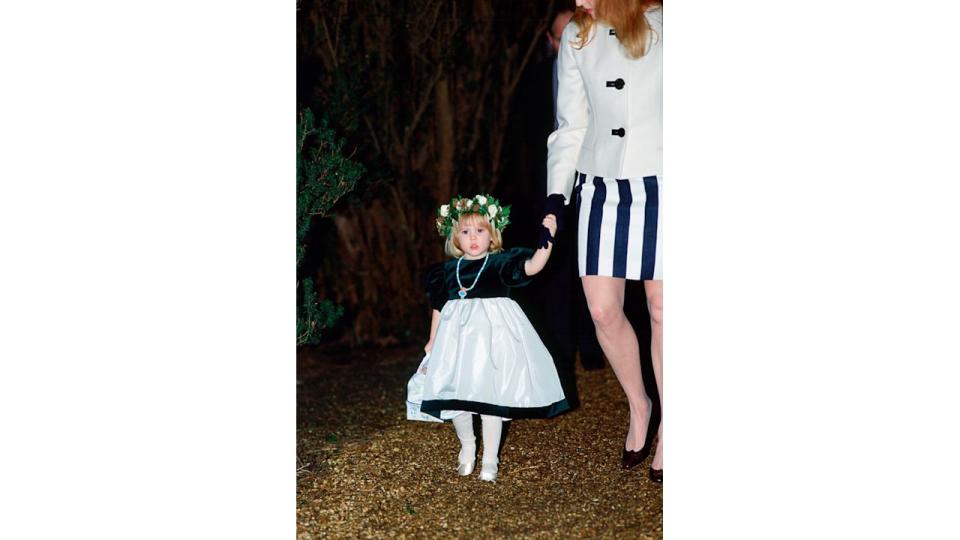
(553, 205)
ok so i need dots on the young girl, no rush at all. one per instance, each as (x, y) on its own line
(483, 357)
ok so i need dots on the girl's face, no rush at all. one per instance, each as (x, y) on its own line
(587, 6)
(474, 238)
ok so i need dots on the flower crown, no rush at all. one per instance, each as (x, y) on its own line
(485, 205)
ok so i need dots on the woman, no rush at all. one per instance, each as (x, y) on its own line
(607, 152)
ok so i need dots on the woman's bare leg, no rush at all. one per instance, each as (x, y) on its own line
(619, 343)
(654, 291)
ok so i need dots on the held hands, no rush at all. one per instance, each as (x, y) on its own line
(553, 207)
(550, 223)
(535, 264)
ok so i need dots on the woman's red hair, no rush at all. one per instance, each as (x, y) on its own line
(626, 17)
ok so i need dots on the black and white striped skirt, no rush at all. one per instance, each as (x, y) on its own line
(619, 233)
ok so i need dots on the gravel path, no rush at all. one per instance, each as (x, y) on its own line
(364, 471)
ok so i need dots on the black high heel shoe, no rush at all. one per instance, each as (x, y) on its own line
(632, 458)
(656, 475)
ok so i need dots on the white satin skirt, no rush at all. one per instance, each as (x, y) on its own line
(488, 359)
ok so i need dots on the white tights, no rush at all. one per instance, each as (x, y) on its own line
(492, 428)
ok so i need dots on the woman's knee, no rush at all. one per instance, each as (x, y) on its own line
(606, 314)
(655, 307)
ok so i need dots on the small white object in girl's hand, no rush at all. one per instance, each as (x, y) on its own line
(415, 394)
(423, 365)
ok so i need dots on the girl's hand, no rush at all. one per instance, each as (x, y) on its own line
(550, 222)
(428, 347)
(552, 207)
(535, 264)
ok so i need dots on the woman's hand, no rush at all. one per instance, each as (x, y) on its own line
(552, 207)
(428, 347)
(535, 264)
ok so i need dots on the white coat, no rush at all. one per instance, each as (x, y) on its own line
(609, 109)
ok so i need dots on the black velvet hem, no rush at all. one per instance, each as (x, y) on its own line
(434, 406)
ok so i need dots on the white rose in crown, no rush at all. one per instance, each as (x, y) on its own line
(448, 214)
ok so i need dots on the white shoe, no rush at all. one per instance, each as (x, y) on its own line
(466, 459)
(464, 469)
(488, 472)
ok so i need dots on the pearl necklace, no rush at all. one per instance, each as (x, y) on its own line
(463, 290)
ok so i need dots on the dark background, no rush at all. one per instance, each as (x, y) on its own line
(435, 98)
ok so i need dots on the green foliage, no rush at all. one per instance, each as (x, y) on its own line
(313, 316)
(324, 175)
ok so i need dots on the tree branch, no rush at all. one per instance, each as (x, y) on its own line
(533, 44)
(333, 52)
(423, 107)
(475, 135)
(373, 134)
